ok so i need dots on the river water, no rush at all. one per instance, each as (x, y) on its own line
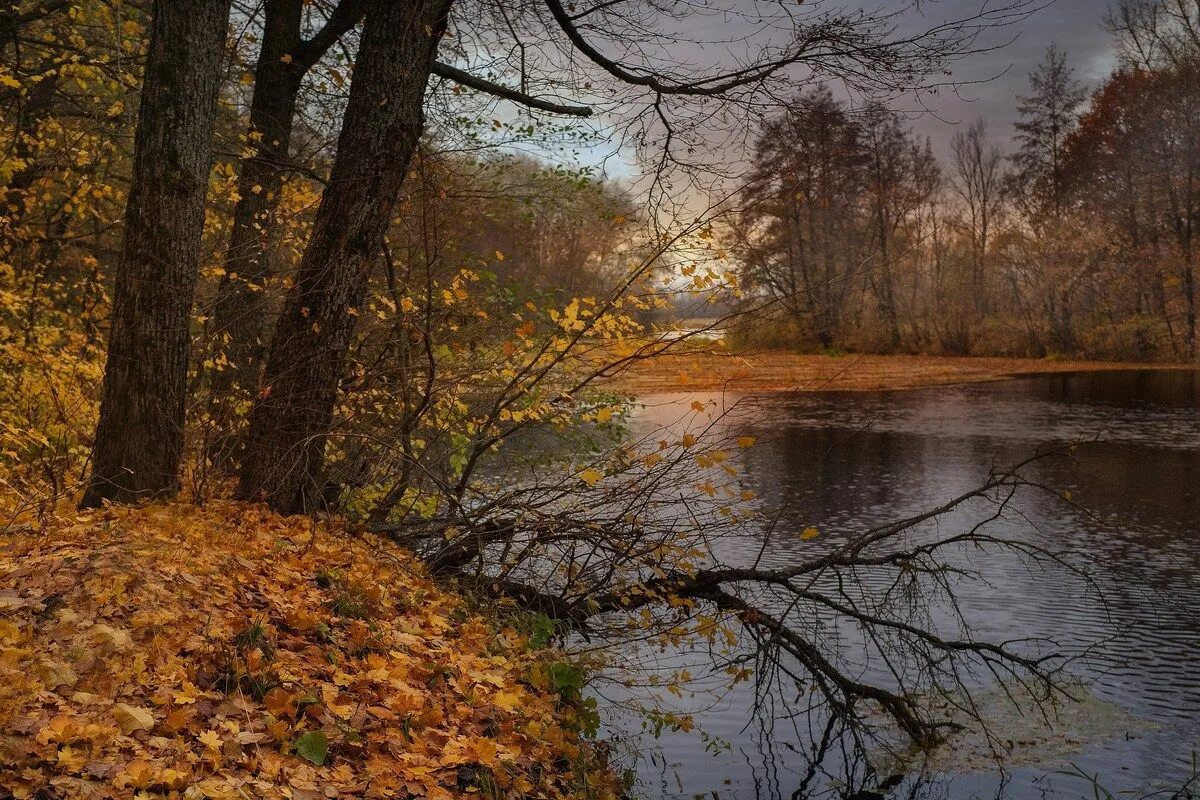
(847, 461)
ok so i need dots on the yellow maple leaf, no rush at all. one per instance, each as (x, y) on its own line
(138, 774)
(187, 694)
(72, 758)
(508, 701)
(211, 740)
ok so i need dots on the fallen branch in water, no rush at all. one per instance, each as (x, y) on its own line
(595, 573)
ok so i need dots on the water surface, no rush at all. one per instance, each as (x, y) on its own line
(848, 461)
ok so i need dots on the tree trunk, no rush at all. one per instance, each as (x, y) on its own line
(1189, 297)
(887, 291)
(284, 459)
(240, 309)
(238, 322)
(139, 439)
(34, 110)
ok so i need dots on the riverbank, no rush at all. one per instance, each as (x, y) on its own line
(226, 652)
(716, 371)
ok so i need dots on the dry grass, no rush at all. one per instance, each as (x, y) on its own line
(770, 372)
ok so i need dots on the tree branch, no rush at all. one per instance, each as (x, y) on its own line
(11, 21)
(488, 87)
(708, 87)
(345, 15)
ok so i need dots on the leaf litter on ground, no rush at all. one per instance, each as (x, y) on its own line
(227, 652)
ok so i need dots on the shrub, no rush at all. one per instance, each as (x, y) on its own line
(1140, 338)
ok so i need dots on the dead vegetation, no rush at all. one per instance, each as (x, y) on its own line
(226, 652)
(715, 370)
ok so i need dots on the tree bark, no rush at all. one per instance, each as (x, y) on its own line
(139, 438)
(239, 310)
(285, 445)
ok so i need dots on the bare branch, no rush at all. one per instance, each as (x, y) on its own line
(488, 87)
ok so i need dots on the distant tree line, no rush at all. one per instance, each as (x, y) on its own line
(1082, 242)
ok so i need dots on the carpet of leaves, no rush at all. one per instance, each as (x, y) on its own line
(225, 652)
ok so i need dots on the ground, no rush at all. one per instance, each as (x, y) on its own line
(226, 652)
(775, 371)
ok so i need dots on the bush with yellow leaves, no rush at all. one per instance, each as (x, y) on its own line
(225, 652)
(50, 374)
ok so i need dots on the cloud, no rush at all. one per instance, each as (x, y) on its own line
(1076, 26)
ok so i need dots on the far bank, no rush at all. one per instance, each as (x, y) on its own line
(780, 371)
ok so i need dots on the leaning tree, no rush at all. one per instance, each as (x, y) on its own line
(632, 63)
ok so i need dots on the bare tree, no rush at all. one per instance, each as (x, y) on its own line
(801, 231)
(977, 181)
(1154, 33)
(831, 204)
(898, 183)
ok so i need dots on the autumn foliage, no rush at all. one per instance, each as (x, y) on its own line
(225, 652)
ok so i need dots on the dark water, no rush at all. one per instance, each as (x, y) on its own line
(849, 461)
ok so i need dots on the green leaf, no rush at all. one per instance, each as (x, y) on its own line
(543, 631)
(589, 718)
(565, 676)
(313, 746)
(460, 446)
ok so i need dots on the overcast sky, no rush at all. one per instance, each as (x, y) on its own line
(990, 81)
(1077, 26)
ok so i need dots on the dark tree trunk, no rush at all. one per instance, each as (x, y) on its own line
(34, 110)
(139, 439)
(886, 286)
(239, 308)
(285, 445)
(1189, 296)
(284, 60)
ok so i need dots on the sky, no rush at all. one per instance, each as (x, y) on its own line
(990, 81)
(1076, 26)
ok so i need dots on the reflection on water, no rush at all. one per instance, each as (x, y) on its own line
(850, 461)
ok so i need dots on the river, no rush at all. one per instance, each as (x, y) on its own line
(848, 461)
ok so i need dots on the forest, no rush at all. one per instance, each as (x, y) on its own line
(320, 470)
(1078, 243)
